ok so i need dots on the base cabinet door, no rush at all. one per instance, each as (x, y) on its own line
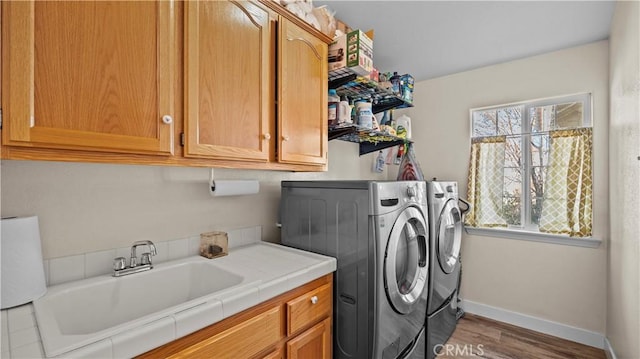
(314, 343)
(276, 354)
(92, 76)
(242, 341)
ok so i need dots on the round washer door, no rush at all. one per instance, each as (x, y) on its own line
(449, 236)
(406, 263)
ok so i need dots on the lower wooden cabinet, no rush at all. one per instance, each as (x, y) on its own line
(244, 340)
(296, 324)
(308, 308)
(276, 354)
(315, 343)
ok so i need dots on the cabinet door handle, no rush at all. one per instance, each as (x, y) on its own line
(313, 48)
(167, 119)
(285, 138)
(267, 136)
(314, 299)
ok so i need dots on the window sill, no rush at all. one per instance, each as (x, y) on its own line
(535, 237)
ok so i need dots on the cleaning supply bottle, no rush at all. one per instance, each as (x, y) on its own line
(354, 115)
(385, 118)
(403, 126)
(379, 163)
(364, 114)
(344, 111)
(333, 100)
(395, 83)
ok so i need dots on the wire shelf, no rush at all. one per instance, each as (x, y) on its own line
(347, 83)
(369, 140)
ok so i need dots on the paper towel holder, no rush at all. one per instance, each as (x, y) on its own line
(232, 187)
(23, 277)
(212, 182)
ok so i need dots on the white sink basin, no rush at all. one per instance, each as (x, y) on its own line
(74, 314)
(123, 299)
(107, 317)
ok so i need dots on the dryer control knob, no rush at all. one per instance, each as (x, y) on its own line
(411, 191)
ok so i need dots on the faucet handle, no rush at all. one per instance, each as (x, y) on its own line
(146, 259)
(119, 263)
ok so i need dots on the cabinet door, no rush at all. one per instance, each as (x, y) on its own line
(302, 96)
(229, 91)
(315, 343)
(89, 75)
(277, 354)
(309, 308)
(244, 340)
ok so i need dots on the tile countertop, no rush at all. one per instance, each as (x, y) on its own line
(278, 268)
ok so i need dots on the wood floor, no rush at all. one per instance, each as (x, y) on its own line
(479, 337)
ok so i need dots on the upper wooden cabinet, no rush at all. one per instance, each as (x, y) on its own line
(240, 84)
(89, 75)
(302, 95)
(231, 78)
(229, 89)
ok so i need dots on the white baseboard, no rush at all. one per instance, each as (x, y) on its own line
(608, 350)
(536, 324)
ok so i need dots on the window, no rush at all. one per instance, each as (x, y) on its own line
(530, 167)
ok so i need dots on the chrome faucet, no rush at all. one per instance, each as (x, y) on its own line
(120, 266)
(146, 257)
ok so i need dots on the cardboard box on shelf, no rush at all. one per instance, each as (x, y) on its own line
(353, 50)
(343, 27)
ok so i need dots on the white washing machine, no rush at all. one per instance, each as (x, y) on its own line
(445, 241)
(378, 232)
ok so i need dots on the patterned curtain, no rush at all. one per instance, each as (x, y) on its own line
(486, 166)
(566, 206)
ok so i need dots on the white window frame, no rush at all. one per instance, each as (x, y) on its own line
(527, 230)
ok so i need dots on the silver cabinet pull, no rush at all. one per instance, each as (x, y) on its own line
(267, 136)
(167, 119)
(285, 138)
(314, 299)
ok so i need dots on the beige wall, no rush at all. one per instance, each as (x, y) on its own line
(87, 207)
(564, 284)
(623, 313)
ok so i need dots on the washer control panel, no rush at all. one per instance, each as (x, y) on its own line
(411, 191)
